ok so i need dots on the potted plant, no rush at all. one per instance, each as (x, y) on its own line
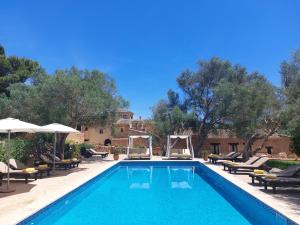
(205, 154)
(115, 153)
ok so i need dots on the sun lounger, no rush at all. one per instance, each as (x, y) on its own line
(17, 165)
(74, 162)
(234, 167)
(23, 174)
(180, 154)
(139, 153)
(275, 182)
(250, 161)
(291, 171)
(232, 157)
(1, 178)
(93, 152)
(63, 164)
(212, 157)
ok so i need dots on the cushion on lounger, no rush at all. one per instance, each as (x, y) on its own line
(43, 166)
(66, 160)
(259, 171)
(269, 176)
(175, 151)
(29, 170)
(186, 151)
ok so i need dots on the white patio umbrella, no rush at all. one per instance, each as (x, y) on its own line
(57, 128)
(11, 125)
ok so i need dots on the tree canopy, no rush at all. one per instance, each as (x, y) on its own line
(14, 70)
(290, 117)
(219, 95)
(72, 97)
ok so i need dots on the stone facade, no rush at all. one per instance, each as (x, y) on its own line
(116, 135)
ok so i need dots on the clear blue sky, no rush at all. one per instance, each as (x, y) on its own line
(145, 45)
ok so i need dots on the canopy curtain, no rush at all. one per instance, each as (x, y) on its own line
(130, 142)
(189, 144)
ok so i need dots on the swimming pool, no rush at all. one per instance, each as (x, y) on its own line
(168, 193)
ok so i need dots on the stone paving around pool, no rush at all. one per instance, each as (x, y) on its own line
(29, 198)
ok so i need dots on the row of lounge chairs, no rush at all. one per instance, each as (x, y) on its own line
(19, 171)
(90, 152)
(232, 156)
(289, 177)
(59, 163)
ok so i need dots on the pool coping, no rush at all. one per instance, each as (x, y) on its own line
(262, 197)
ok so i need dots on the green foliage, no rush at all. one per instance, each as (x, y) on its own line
(71, 97)
(295, 132)
(20, 149)
(2, 152)
(219, 95)
(290, 117)
(249, 105)
(168, 120)
(282, 164)
(73, 150)
(14, 70)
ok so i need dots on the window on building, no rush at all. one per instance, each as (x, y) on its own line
(269, 149)
(122, 130)
(215, 147)
(86, 128)
(233, 147)
(101, 131)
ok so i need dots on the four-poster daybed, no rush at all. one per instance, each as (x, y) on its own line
(180, 153)
(139, 152)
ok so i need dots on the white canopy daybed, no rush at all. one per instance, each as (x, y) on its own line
(185, 153)
(141, 152)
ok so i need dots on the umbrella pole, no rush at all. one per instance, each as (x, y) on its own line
(8, 156)
(54, 152)
(7, 190)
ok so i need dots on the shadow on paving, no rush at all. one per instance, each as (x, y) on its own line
(289, 195)
(18, 185)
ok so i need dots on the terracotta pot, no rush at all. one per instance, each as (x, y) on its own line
(205, 157)
(116, 156)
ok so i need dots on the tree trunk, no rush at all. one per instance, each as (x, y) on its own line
(202, 135)
(247, 152)
(60, 144)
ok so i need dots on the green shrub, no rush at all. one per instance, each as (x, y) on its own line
(2, 152)
(282, 164)
(296, 139)
(20, 149)
(73, 150)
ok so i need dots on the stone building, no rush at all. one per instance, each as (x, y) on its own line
(221, 142)
(115, 134)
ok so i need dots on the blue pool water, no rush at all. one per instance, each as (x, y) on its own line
(167, 193)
